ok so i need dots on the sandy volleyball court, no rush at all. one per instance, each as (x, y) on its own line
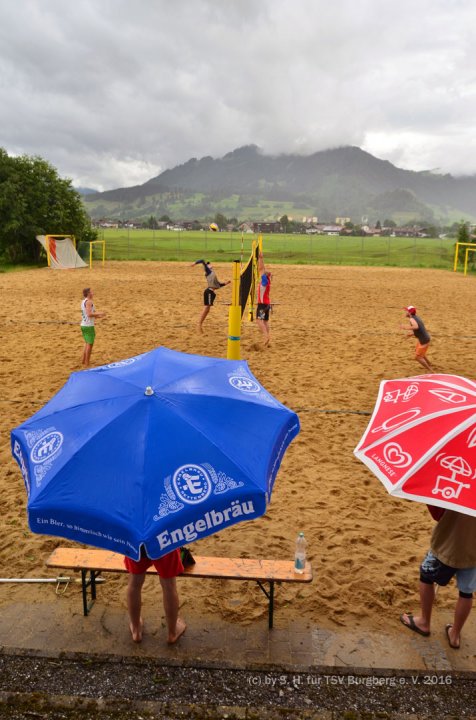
(334, 337)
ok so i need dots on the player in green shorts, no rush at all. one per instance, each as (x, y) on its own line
(89, 334)
(88, 315)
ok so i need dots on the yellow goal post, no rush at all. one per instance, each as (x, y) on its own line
(102, 243)
(470, 247)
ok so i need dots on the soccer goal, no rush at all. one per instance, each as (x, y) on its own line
(101, 254)
(469, 247)
(61, 251)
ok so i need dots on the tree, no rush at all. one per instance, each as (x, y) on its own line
(463, 233)
(221, 221)
(389, 223)
(433, 231)
(34, 200)
(151, 223)
(378, 225)
(284, 222)
(464, 236)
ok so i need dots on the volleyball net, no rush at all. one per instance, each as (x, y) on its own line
(243, 293)
(249, 279)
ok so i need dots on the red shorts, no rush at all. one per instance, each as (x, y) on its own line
(168, 566)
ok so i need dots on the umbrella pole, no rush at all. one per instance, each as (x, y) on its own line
(36, 580)
(61, 580)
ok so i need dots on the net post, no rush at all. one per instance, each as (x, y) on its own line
(234, 316)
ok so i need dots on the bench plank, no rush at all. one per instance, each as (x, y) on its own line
(205, 567)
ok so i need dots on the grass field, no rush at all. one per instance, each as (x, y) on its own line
(124, 244)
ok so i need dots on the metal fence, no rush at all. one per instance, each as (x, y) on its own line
(131, 244)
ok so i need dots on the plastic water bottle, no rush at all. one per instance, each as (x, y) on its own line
(300, 554)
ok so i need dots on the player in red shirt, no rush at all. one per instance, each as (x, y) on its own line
(264, 302)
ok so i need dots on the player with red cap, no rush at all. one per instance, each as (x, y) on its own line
(417, 329)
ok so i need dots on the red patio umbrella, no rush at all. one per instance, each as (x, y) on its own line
(421, 440)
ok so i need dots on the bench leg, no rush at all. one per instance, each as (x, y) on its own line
(271, 605)
(270, 595)
(85, 583)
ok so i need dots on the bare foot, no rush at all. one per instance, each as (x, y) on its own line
(136, 632)
(180, 628)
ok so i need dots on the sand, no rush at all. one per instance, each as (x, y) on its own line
(335, 336)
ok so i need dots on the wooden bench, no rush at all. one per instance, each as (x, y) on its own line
(95, 562)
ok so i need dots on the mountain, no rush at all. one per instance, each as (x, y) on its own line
(344, 182)
(85, 190)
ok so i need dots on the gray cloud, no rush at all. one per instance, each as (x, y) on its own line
(113, 92)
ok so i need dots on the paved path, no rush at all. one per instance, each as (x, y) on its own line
(56, 627)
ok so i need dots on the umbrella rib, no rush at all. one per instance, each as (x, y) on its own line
(211, 441)
(162, 388)
(91, 437)
(79, 405)
(135, 388)
(441, 442)
(414, 423)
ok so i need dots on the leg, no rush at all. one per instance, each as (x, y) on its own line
(420, 357)
(427, 598)
(263, 326)
(175, 625)
(204, 314)
(424, 362)
(88, 348)
(266, 332)
(134, 604)
(462, 610)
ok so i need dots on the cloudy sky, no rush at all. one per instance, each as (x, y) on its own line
(113, 92)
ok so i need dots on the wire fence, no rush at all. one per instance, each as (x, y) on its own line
(131, 244)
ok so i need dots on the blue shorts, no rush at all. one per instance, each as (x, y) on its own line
(433, 570)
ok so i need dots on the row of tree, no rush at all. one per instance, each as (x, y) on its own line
(152, 223)
(35, 200)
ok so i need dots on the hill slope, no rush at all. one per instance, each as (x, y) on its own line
(247, 184)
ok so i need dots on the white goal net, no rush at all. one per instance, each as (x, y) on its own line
(61, 252)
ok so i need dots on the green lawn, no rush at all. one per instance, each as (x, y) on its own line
(132, 244)
(8, 267)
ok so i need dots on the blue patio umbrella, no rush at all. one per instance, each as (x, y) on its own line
(157, 451)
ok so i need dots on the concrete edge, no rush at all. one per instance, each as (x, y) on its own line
(229, 665)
